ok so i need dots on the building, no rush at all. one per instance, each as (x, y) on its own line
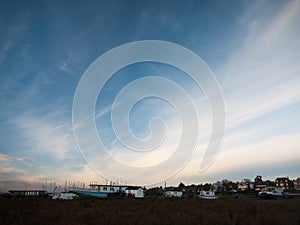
(230, 186)
(218, 186)
(173, 192)
(297, 184)
(242, 187)
(28, 193)
(284, 182)
(260, 185)
(135, 192)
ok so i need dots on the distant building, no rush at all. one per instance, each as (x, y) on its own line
(259, 186)
(173, 192)
(284, 182)
(230, 186)
(28, 193)
(135, 192)
(297, 184)
(218, 186)
(242, 187)
(246, 181)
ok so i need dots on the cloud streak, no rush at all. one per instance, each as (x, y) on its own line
(46, 135)
(261, 76)
(258, 73)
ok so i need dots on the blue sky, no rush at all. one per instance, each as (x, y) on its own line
(253, 48)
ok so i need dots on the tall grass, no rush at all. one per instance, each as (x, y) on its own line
(149, 211)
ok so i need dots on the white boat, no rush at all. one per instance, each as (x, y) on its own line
(271, 193)
(207, 195)
(105, 191)
(65, 196)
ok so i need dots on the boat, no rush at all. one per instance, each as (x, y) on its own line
(106, 191)
(271, 193)
(65, 196)
(207, 195)
(93, 193)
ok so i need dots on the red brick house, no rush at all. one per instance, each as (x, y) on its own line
(284, 182)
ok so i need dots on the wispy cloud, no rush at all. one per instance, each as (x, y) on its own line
(47, 135)
(103, 112)
(4, 157)
(272, 154)
(259, 75)
(262, 76)
(64, 67)
(12, 39)
(15, 171)
(259, 78)
(13, 33)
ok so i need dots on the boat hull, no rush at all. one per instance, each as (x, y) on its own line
(97, 194)
(208, 197)
(270, 196)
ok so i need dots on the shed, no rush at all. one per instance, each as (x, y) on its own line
(134, 191)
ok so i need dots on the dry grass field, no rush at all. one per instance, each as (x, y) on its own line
(149, 211)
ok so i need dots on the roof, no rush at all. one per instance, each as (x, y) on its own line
(107, 185)
(173, 189)
(13, 191)
(133, 188)
(282, 179)
(128, 187)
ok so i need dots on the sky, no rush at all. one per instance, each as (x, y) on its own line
(251, 47)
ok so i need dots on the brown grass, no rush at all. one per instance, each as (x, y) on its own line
(149, 211)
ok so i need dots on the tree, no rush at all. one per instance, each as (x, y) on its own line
(181, 185)
(258, 178)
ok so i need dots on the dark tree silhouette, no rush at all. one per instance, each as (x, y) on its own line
(258, 178)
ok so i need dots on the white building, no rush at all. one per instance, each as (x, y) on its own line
(136, 192)
(173, 193)
(242, 187)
